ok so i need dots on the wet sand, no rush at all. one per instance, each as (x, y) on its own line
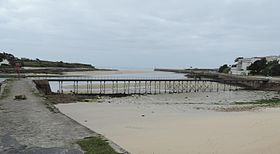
(182, 123)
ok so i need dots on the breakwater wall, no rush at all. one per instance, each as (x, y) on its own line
(249, 82)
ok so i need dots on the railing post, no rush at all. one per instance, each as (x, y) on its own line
(91, 87)
(155, 87)
(100, 87)
(195, 88)
(135, 87)
(113, 86)
(61, 87)
(150, 87)
(164, 86)
(104, 87)
(77, 87)
(128, 86)
(117, 84)
(139, 87)
(145, 87)
(87, 88)
(159, 85)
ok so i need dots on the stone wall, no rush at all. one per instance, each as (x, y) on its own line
(43, 86)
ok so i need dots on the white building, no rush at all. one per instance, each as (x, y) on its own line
(5, 61)
(240, 68)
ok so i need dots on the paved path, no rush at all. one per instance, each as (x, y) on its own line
(28, 126)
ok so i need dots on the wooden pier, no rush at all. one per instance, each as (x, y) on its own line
(146, 86)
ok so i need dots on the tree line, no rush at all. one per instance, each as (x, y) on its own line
(13, 60)
(263, 67)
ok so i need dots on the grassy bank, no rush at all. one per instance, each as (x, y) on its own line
(45, 63)
(96, 145)
(250, 106)
(263, 102)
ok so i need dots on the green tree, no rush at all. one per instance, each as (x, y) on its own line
(275, 70)
(258, 66)
(267, 70)
(224, 69)
(237, 59)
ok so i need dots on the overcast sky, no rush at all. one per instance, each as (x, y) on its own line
(140, 33)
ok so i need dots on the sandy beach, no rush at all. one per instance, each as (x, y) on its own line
(182, 123)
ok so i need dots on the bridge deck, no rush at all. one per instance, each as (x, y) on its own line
(110, 80)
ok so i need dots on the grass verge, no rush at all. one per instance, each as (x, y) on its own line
(96, 145)
(237, 108)
(250, 106)
(263, 102)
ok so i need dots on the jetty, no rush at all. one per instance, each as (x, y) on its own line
(119, 86)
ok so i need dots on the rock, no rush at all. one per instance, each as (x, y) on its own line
(20, 97)
(87, 100)
(143, 115)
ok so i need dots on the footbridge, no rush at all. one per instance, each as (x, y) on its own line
(105, 86)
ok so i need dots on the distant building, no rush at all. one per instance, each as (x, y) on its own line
(240, 68)
(5, 62)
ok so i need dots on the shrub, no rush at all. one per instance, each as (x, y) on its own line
(224, 69)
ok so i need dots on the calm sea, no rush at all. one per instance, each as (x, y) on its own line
(2, 79)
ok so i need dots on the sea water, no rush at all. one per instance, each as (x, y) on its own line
(2, 79)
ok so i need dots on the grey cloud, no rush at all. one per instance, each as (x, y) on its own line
(175, 33)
